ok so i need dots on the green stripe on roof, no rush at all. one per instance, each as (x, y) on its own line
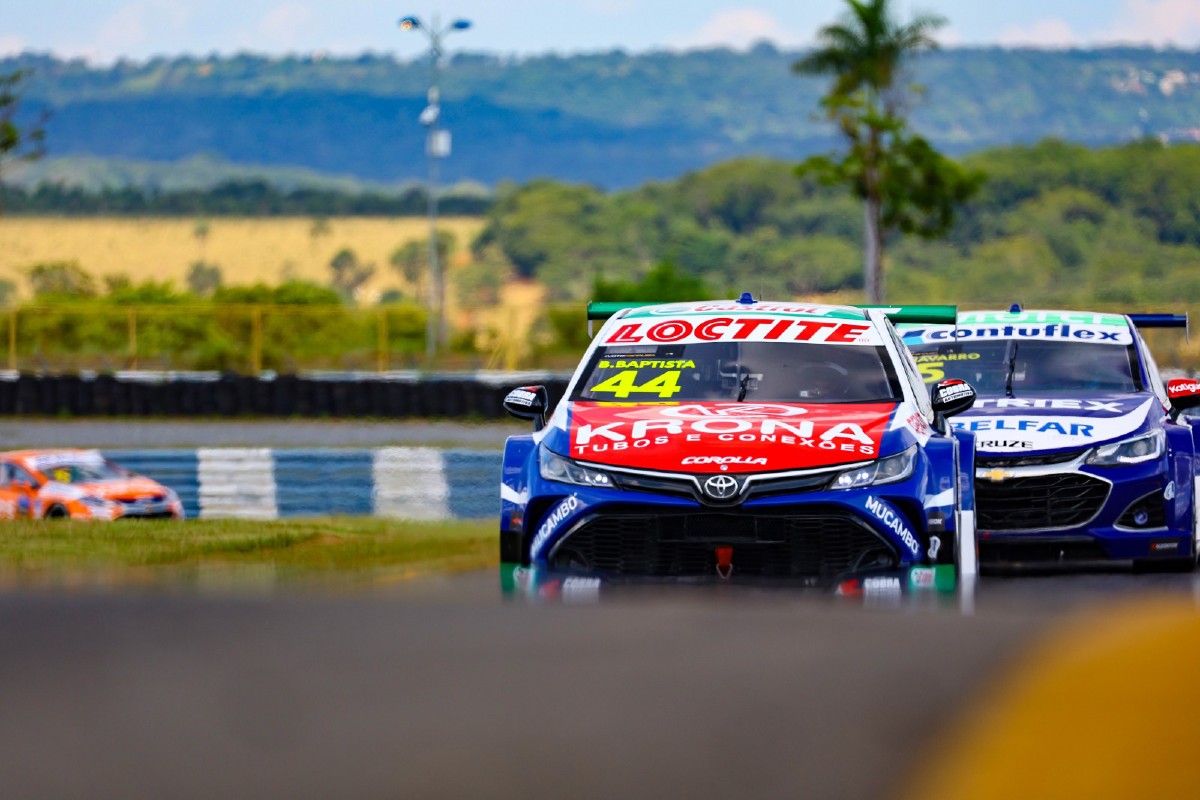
(1059, 317)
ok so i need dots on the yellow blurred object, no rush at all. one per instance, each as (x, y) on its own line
(1105, 708)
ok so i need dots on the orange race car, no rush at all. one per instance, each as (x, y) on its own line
(80, 484)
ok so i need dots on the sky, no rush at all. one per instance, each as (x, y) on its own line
(103, 31)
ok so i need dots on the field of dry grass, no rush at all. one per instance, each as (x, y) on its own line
(268, 250)
(248, 250)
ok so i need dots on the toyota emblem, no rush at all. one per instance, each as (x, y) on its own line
(721, 487)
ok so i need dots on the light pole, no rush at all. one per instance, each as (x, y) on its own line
(437, 146)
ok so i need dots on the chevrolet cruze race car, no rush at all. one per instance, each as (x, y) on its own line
(742, 440)
(80, 484)
(1079, 455)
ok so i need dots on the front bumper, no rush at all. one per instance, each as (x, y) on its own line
(1078, 514)
(813, 537)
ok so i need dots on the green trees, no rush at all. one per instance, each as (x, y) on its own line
(16, 144)
(60, 280)
(1055, 223)
(411, 261)
(348, 273)
(903, 181)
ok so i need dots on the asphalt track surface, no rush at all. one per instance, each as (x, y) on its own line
(441, 688)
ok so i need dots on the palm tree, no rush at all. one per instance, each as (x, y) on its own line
(865, 52)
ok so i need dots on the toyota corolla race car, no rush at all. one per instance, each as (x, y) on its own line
(80, 484)
(1080, 456)
(742, 440)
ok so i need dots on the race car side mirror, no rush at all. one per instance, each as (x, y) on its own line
(951, 397)
(529, 402)
(1184, 394)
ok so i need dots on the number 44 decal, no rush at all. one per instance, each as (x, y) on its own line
(625, 383)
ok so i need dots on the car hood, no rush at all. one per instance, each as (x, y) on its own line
(134, 488)
(709, 437)
(1009, 425)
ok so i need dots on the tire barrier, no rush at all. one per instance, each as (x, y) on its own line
(378, 395)
(421, 483)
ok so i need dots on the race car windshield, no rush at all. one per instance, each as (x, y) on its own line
(781, 372)
(84, 471)
(995, 368)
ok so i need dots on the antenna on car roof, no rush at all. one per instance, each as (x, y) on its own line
(1015, 308)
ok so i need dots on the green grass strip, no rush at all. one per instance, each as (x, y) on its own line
(358, 549)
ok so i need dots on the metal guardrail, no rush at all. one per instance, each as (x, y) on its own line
(258, 483)
(247, 338)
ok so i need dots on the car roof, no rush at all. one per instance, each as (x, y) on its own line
(779, 308)
(28, 458)
(1044, 315)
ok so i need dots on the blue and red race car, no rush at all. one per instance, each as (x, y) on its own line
(743, 440)
(1081, 452)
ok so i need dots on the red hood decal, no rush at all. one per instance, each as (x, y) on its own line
(727, 437)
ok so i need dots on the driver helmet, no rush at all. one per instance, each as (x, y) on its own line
(823, 380)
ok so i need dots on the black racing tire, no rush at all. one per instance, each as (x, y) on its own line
(512, 548)
(56, 512)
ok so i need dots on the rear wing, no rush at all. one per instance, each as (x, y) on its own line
(1162, 321)
(1159, 320)
(926, 315)
(921, 315)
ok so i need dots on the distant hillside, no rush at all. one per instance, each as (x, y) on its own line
(612, 119)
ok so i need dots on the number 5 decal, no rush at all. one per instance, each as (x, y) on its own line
(931, 371)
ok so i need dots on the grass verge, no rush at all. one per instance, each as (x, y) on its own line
(345, 551)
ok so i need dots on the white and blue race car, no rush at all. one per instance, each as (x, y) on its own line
(742, 440)
(1081, 454)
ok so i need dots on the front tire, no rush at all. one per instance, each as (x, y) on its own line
(56, 512)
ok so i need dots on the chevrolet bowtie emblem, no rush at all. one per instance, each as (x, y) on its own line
(995, 475)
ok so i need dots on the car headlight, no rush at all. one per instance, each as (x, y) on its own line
(1135, 450)
(885, 470)
(95, 502)
(554, 467)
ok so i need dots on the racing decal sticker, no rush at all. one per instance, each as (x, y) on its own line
(551, 524)
(710, 437)
(645, 376)
(1082, 333)
(729, 307)
(908, 417)
(1056, 317)
(1095, 422)
(764, 328)
(933, 365)
(47, 463)
(894, 521)
(1101, 407)
(1179, 388)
